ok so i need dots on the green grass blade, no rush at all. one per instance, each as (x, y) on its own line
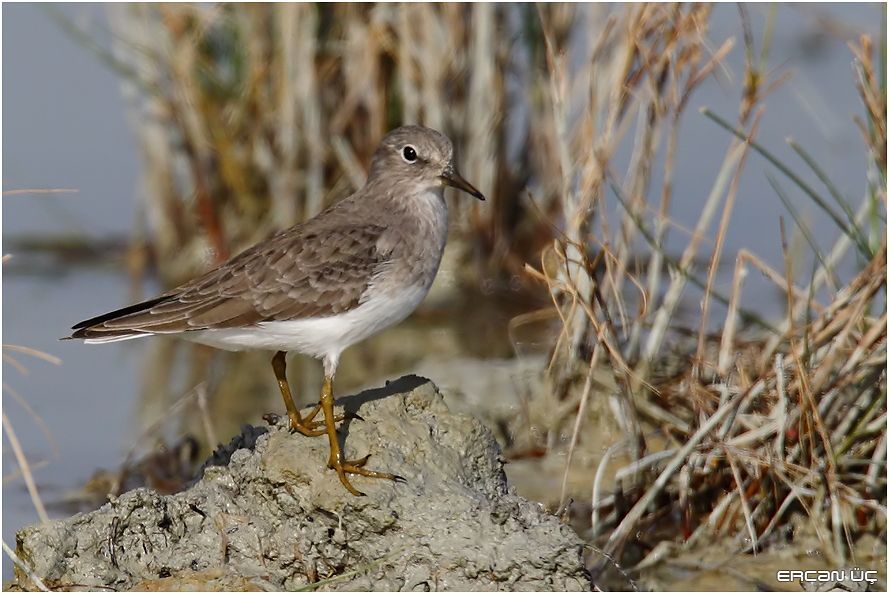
(825, 179)
(804, 229)
(771, 158)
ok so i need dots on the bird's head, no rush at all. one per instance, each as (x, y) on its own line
(414, 154)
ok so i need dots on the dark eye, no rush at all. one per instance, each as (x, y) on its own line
(409, 154)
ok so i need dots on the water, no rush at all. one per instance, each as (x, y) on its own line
(91, 427)
(65, 127)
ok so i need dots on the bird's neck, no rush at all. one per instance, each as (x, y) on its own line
(411, 200)
(417, 221)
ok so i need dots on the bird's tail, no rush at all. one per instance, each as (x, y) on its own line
(97, 331)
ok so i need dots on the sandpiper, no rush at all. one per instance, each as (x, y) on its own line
(317, 288)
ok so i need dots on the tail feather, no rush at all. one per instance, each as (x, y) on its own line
(104, 339)
(93, 329)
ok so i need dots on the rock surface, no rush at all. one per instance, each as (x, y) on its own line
(267, 515)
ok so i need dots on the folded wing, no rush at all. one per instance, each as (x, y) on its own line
(307, 271)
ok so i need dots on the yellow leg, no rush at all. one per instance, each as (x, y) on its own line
(307, 426)
(279, 364)
(337, 461)
(314, 412)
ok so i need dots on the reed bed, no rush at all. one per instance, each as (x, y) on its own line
(253, 117)
(736, 429)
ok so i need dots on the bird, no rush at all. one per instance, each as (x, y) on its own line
(361, 265)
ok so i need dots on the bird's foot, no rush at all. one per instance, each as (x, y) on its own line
(346, 467)
(311, 428)
(346, 415)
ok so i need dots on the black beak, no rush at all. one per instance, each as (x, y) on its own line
(450, 177)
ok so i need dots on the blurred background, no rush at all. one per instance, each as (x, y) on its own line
(596, 312)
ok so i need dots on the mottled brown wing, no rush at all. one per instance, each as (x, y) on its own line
(318, 269)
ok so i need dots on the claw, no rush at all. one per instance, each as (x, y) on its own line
(346, 467)
(360, 462)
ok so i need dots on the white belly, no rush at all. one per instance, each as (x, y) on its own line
(321, 337)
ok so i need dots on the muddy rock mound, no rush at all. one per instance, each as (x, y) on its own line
(267, 515)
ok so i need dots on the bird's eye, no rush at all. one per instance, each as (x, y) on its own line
(409, 154)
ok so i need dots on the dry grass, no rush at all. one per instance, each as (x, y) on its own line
(253, 117)
(790, 417)
(26, 467)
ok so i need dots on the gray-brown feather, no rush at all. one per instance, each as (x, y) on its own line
(319, 268)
